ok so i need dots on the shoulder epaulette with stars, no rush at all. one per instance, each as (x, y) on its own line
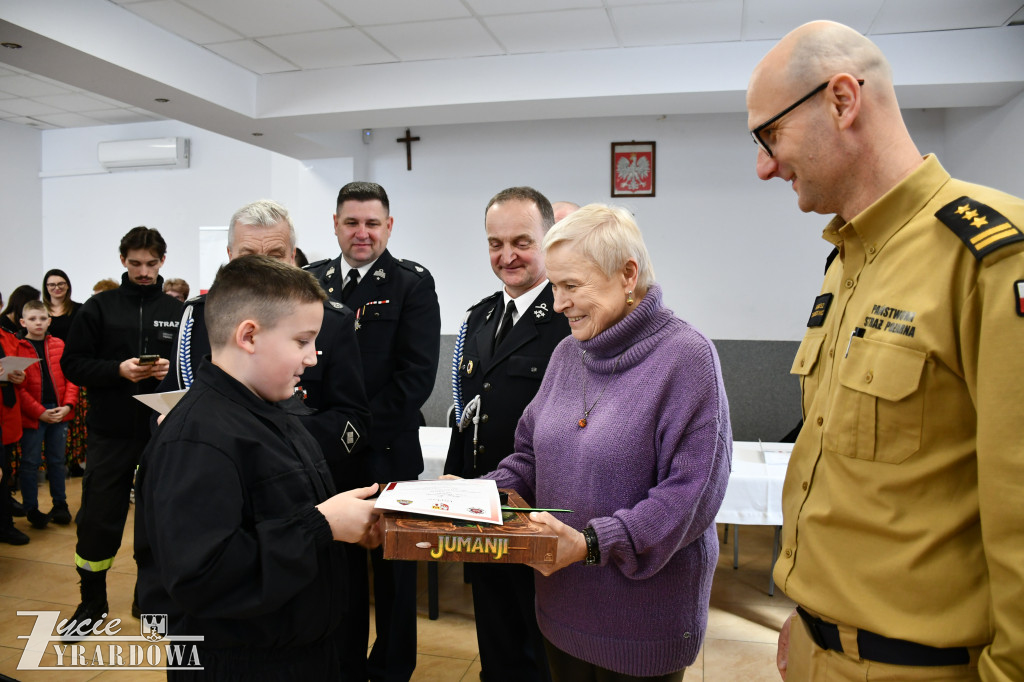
(316, 264)
(483, 300)
(981, 228)
(412, 266)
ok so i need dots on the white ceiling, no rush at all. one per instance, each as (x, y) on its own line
(305, 72)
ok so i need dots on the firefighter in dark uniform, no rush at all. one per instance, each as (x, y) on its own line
(331, 400)
(505, 344)
(398, 325)
(118, 347)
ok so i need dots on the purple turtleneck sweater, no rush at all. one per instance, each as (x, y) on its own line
(648, 473)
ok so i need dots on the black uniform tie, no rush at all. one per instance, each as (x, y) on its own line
(506, 324)
(350, 285)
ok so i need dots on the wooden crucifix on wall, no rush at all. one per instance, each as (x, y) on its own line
(408, 140)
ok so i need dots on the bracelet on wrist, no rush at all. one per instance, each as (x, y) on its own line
(593, 557)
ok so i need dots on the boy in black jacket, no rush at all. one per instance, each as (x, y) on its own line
(236, 514)
(118, 347)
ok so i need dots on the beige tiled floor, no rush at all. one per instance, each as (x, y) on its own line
(740, 642)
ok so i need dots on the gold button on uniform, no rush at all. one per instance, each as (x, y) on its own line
(820, 421)
(868, 377)
(804, 485)
(849, 284)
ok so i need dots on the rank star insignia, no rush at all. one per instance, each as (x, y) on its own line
(980, 227)
(419, 269)
(329, 273)
(379, 274)
(349, 437)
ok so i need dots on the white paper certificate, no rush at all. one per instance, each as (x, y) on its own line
(12, 363)
(161, 402)
(468, 500)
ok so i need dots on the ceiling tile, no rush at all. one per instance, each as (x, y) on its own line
(27, 86)
(494, 7)
(68, 120)
(27, 107)
(584, 29)
(253, 56)
(365, 13)
(691, 22)
(75, 101)
(254, 19)
(326, 49)
(770, 19)
(902, 16)
(25, 121)
(184, 21)
(436, 39)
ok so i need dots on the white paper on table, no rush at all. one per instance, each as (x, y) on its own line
(13, 363)
(466, 499)
(776, 453)
(161, 402)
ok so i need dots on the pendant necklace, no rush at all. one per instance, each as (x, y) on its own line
(586, 412)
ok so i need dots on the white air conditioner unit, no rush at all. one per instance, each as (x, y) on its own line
(160, 152)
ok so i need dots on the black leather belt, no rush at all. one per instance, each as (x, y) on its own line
(881, 649)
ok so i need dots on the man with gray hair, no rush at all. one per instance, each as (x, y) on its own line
(331, 399)
(903, 506)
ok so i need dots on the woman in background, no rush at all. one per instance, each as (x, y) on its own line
(10, 318)
(57, 297)
(631, 431)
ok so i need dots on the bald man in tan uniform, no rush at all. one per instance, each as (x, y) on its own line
(903, 541)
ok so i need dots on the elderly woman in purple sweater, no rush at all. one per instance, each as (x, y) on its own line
(630, 430)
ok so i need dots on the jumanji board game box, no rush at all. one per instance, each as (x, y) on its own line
(427, 538)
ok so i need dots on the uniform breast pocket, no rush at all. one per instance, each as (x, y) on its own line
(377, 323)
(804, 364)
(527, 366)
(281, 495)
(878, 408)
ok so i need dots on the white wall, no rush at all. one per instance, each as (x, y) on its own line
(734, 254)
(20, 208)
(986, 145)
(85, 215)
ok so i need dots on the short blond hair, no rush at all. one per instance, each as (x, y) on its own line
(608, 237)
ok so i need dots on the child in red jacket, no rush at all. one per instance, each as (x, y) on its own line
(47, 402)
(10, 434)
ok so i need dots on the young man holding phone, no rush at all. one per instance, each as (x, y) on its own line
(118, 347)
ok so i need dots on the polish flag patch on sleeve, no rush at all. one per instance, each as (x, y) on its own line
(1018, 296)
